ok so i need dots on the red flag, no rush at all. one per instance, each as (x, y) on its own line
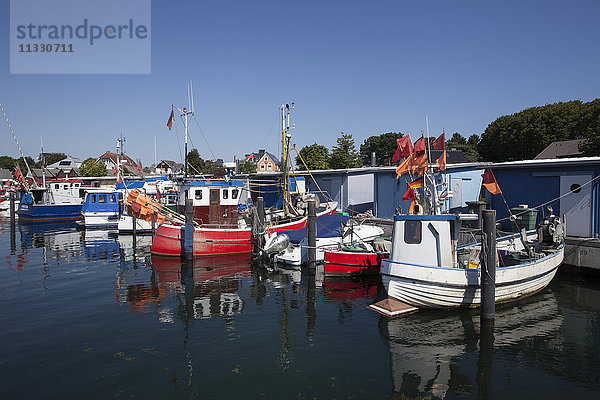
(409, 195)
(489, 181)
(139, 168)
(419, 146)
(440, 142)
(18, 174)
(115, 170)
(171, 119)
(404, 148)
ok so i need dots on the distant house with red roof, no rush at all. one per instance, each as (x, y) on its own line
(264, 161)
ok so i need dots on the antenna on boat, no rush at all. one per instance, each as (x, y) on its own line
(42, 161)
(184, 113)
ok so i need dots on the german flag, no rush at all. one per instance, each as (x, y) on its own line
(417, 183)
(171, 120)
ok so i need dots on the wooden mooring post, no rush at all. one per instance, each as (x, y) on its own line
(488, 267)
(312, 237)
(188, 237)
(13, 240)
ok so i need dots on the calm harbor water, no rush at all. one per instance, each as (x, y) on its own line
(85, 314)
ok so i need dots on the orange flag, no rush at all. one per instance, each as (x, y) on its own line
(404, 167)
(419, 164)
(489, 181)
(441, 162)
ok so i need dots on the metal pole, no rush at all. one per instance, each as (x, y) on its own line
(134, 227)
(488, 267)
(154, 225)
(312, 237)
(189, 230)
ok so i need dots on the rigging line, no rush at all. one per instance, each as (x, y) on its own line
(178, 143)
(204, 136)
(556, 199)
(270, 129)
(325, 196)
(17, 142)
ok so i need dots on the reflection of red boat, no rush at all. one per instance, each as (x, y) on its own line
(343, 290)
(350, 263)
(205, 268)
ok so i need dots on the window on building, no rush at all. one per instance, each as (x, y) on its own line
(64, 163)
(270, 167)
(198, 194)
(225, 194)
(412, 232)
(262, 166)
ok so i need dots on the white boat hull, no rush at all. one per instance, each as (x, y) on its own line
(125, 225)
(98, 219)
(441, 287)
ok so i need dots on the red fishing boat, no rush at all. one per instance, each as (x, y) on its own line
(350, 261)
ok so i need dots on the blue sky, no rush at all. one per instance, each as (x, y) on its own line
(359, 67)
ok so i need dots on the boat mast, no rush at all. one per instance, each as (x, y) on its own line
(285, 127)
(184, 113)
(429, 173)
(42, 161)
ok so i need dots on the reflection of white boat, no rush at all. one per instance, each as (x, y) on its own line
(332, 232)
(125, 224)
(425, 347)
(426, 269)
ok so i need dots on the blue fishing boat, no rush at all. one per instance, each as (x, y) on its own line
(102, 207)
(60, 201)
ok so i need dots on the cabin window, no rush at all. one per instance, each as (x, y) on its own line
(93, 198)
(198, 194)
(412, 232)
(235, 193)
(113, 198)
(225, 194)
(66, 187)
(56, 186)
(101, 198)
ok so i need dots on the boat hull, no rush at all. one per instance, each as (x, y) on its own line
(100, 219)
(441, 287)
(168, 238)
(125, 225)
(347, 263)
(43, 213)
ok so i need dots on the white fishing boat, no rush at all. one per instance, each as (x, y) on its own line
(332, 232)
(427, 269)
(102, 207)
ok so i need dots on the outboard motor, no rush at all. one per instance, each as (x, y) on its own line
(276, 244)
(551, 231)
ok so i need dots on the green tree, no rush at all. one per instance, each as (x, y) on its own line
(196, 164)
(524, 135)
(344, 155)
(247, 167)
(315, 156)
(384, 146)
(92, 167)
(51, 158)
(468, 147)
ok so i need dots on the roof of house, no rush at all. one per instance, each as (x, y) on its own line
(69, 162)
(255, 157)
(5, 174)
(113, 158)
(561, 149)
(170, 163)
(452, 156)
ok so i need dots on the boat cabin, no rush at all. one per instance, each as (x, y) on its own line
(428, 240)
(102, 200)
(215, 202)
(64, 191)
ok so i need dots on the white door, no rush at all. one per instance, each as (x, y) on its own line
(456, 200)
(577, 205)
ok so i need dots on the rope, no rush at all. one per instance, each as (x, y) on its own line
(325, 196)
(17, 142)
(204, 136)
